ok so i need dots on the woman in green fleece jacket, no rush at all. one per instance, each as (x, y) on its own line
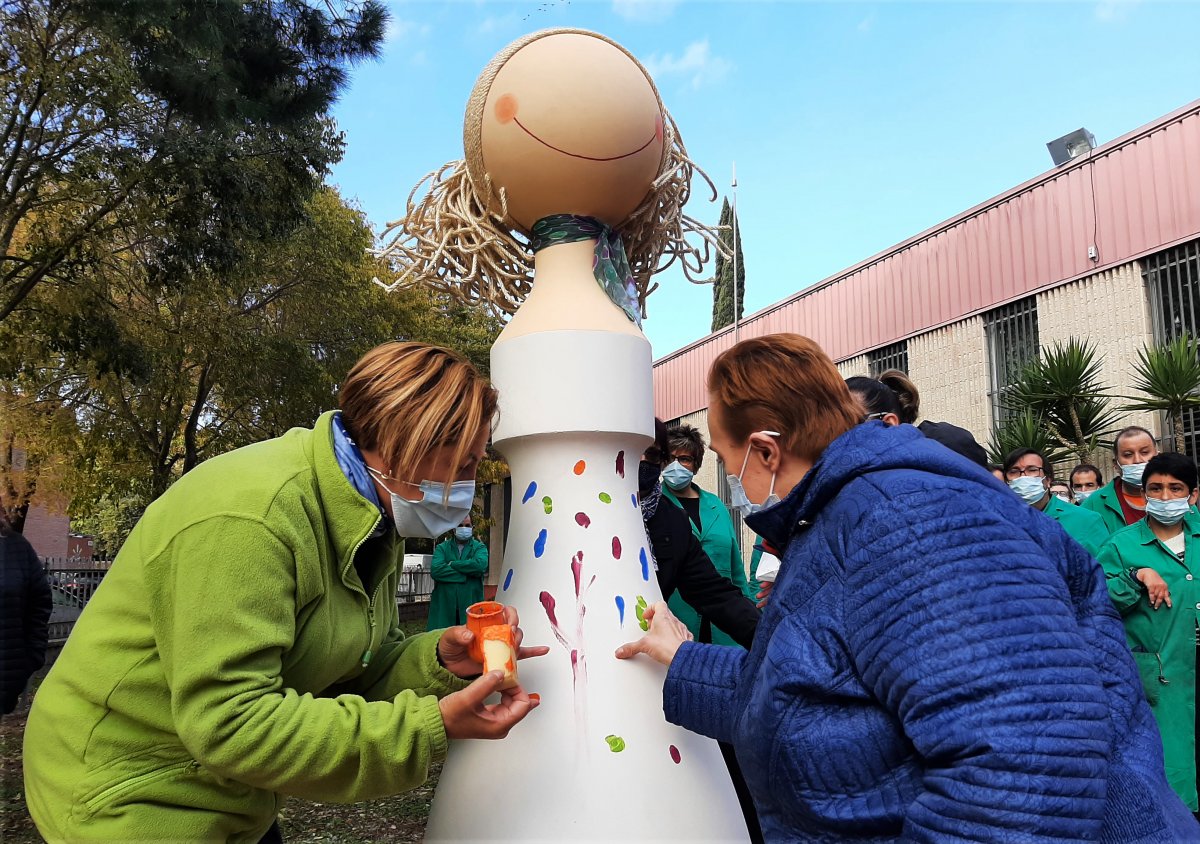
(244, 645)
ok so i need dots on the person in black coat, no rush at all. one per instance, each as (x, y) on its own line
(953, 437)
(25, 605)
(681, 564)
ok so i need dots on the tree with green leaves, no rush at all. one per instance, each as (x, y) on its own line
(209, 115)
(728, 299)
(1025, 429)
(1169, 375)
(1062, 388)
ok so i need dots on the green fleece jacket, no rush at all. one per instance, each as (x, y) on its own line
(232, 656)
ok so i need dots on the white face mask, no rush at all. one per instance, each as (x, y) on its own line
(1082, 495)
(429, 517)
(738, 499)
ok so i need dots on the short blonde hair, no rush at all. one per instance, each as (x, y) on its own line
(784, 383)
(406, 399)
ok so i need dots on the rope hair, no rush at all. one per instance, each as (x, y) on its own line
(456, 238)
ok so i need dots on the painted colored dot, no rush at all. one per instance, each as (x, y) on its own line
(582, 519)
(548, 505)
(645, 563)
(675, 757)
(580, 467)
(535, 696)
(639, 611)
(616, 548)
(606, 498)
(633, 498)
(615, 743)
(507, 579)
(621, 463)
(539, 544)
(621, 610)
(529, 491)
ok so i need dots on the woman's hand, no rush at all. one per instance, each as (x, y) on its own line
(1156, 587)
(453, 647)
(764, 592)
(465, 715)
(666, 634)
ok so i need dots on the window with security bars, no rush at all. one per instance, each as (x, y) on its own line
(894, 356)
(1173, 279)
(1012, 341)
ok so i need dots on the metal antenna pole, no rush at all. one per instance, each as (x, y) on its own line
(736, 294)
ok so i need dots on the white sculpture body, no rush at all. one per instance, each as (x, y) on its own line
(597, 761)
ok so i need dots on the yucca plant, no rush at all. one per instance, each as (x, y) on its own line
(1025, 429)
(1169, 375)
(1064, 390)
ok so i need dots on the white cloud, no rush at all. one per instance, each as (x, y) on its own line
(645, 11)
(697, 64)
(399, 30)
(1114, 11)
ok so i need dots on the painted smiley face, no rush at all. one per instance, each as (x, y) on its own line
(506, 110)
(571, 124)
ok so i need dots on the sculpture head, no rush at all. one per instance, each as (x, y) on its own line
(561, 121)
(564, 123)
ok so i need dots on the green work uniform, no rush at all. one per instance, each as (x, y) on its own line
(1104, 503)
(1084, 526)
(720, 544)
(458, 572)
(1163, 641)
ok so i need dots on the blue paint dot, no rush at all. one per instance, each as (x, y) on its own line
(645, 564)
(633, 498)
(621, 609)
(539, 544)
(529, 491)
(507, 579)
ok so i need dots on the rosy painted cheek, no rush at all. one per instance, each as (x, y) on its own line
(505, 108)
(658, 129)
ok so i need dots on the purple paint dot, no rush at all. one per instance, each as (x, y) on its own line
(645, 563)
(582, 519)
(621, 609)
(616, 548)
(539, 544)
(529, 491)
(507, 579)
(675, 754)
(621, 463)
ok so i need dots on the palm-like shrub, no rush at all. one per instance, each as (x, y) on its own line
(1169, 375)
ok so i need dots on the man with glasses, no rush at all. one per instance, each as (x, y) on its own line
(1025, 470)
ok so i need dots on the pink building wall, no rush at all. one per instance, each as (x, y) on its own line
(1146, 197)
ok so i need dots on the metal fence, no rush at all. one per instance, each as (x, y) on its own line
(74, 581)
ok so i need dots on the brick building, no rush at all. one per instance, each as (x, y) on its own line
(1105, 247)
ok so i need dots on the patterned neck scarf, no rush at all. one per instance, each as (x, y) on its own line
(353, 466)
(650, 501)
(610, 266)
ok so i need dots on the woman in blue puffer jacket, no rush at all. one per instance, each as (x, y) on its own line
(937, 662)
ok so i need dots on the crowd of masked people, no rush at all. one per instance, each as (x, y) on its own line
(1141, 526)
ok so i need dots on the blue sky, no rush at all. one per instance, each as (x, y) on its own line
(853, 125)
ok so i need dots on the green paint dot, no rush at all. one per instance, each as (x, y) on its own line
(606, 498)
(615, 743)
(547, 504)
(640, 610)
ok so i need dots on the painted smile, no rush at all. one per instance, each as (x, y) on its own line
(653, 137)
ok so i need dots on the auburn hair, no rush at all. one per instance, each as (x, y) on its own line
(406, 399)
(784, 383)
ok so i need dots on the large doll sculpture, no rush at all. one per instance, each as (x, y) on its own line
(571, 156)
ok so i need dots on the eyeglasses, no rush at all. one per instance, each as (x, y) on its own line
(1028, 471)
(685, 460)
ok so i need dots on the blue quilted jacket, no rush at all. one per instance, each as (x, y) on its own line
(938, 661)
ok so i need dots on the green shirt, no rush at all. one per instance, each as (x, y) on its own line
(233, 655)
(1163, 640)
(1084, 526)
(720, 543)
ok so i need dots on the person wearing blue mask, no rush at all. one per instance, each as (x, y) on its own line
(1027, 475)
(711, 525)
(459, 565)
(245, 644)
(1153, 573)
(937, 661)
(1086, 481)
(1123, 501)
